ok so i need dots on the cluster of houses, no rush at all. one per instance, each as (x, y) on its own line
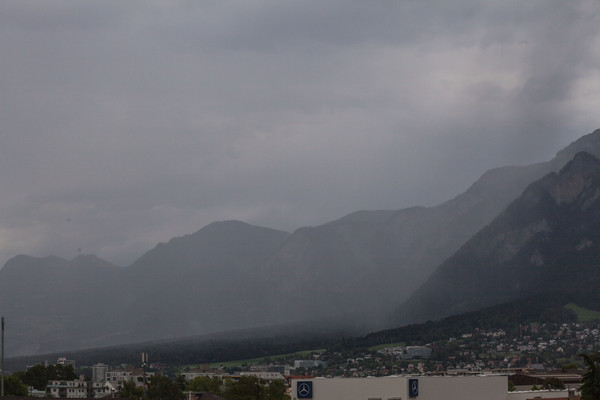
(105, 382)
(542, 347)
(408, 352)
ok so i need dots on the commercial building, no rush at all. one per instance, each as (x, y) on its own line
(480, 387)
(456, 387)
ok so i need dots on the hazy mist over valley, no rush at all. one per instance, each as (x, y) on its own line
(173, 169)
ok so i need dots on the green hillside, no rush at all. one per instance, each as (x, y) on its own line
(583, 314)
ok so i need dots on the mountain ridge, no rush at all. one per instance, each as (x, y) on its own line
(233, 275)
(523, 250)
(86, 301)
(394, 245)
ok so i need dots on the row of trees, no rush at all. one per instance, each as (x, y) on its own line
(36, 377)
(14, 387)
(159, 386)
(39, 375)
(247, 388)
(590, 389)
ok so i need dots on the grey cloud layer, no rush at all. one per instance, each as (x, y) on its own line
(124, 124)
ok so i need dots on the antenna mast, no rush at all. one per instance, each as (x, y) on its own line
(2, 363)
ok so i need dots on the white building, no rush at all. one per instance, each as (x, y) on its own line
(64, 361)
(480, 387)
(264, 375)
(99, 372)
(309, 364)
(414, 352)
(77, 389)
(117, 377)
(190, 376)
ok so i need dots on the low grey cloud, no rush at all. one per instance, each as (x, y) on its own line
(125, 124)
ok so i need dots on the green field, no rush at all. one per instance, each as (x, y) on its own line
(383, 346)
(280, 357)
(583, 314)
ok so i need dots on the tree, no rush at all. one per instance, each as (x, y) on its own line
(247, 388)
(568, 367)
(553, 383)
(130, 390)
(36, 376)
(61, 372)
(163, 388)
(39, 375)
(181, 382)
(511, 386)
(590, 388)
(205, 384)
(277, 391)
(14, 387)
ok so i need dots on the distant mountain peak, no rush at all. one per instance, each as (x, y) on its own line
(215, 245)
(232, 225)
(86, 257)
(228, 222)
(589, 143)
(84, 260)
(23, 260)
(90, 260)
(574, 177)
(582, 162)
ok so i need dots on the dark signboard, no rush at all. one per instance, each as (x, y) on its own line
(413, 387)
(304, 390)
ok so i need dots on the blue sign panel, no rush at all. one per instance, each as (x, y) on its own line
(304, 390)
(413, 387)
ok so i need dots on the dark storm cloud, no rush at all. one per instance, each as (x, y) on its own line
(125, 124)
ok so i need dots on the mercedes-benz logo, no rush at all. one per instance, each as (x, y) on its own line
(413, 389)
(303, 389)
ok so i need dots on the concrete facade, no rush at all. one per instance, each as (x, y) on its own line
(541, 394)
(481, 387)
(99, 372)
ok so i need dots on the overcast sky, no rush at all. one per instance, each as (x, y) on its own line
(126, 123)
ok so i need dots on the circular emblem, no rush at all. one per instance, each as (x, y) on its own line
(303, 389)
